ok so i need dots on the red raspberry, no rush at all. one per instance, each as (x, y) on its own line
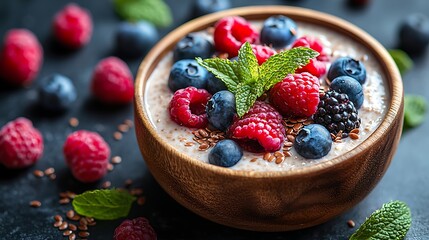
(72, 26)
(135, 229)
(296, 96)
(87, 155)
(188, 107)
(231, 32)
(262, 53)
(21, 145)
(317, 66)
(21, 57)
(259, 130)
(112, 81)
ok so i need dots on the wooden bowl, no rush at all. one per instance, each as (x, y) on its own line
(271, 201)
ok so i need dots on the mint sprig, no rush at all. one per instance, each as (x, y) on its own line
(414, 110)
(155, 11)
(402, 60)
(247, 80)
(105, 204)
(391, 222)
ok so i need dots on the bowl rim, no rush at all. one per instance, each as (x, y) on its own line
(393, 78)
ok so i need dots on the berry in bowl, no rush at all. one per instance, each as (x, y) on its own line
(278, 118)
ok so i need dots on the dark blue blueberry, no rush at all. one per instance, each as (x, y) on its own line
(351, 87)
(214, 84)
(185, 73)
(57, 93)
(313, 141)
(191, 46)
(278, 31)
(414, 34)
(135, 39)
(225, 153)
(203, 7)
(221, 110)
(346, 66)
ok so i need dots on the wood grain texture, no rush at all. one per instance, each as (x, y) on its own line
(271, 201)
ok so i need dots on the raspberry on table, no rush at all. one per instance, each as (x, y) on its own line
(72, 26)
(135, 229)
(262, 53)
(259, 130)
(316, 66)
(296, 96)
(188, 107)
(231, 32)
(21, 57)
(112, 81)
(87, 155)
(21, 145)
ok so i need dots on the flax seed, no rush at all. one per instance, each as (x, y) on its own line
(287, 154)
(38, 173)
(308, 122)
(110, 167)
(141, 201)
(223, 55)
(203, 133)
(287, 148)
(279, 159)
(58, 223)
(71, 195)
(271, 158)
(288, 144)
(278, 154)
(129, 122)
(83, 234)
(203, 147)
(35, 204)
(72, 236)
(297, 127)
(70, 214)
(136, 191)
(196, 134)
(351, 223)
(353, 136)
(333, 136)
(128, 183)
(117, 136)
(83, 222)
(106, 184)
(49, 171)
(72, 227)
(73, 122)
(58, 218)
(123, 128)
(83, 227)
(253, 159)
(63, 226)
(64, 201)
(289, 131)
(356, 130)
(53, 176)
(116, 160)
(291, 138)
(67, 232)
(267, 155)
(189, 144)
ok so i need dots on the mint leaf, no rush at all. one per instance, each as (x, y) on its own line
(247, 63)
(391, 222)
(155, 11)
(402, 60)
(244, 97)
(414, 110)
(277, 67)
(223, 69)
(106, 204)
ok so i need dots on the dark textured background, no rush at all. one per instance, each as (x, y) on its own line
(406, 179)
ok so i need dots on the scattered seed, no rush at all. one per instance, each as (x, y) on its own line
(287, 154)
(333, 136)
(110, 167)
(136, 191)
(280, 159)
(83, 234)
(271, 158)
(74, 122)
(49, 171)
(58, 218)
(128, 183)
(353, 136)
(72, 227)
(64, 201)
(106, 184)
(203, 133)
(356, 130)
(351, 223)
(83, 227)
(253, 159)
(291, 138)
(70, 214)
(63, 226)
(116, 160)
(35, 204)
(223, 55)
(53, 176)
(308, 122)
(58, 223)
(267, 156)
(72, 236)
(117, 136)
(297, 127)
(75, 218)
(83, 222)
(189, 144)
(141, 201)
(203, 147)
(38, 173)
(67, 232)
(123, 128)
(287, 144)
(129, 123)
(289, 131)
(278, 154)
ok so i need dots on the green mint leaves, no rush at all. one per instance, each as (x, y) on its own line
(402, 60)
(106, 204)
(155, 11)
(247, 80)
(414, 110)
(391, 222)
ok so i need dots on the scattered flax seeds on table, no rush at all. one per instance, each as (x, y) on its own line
(35, 204)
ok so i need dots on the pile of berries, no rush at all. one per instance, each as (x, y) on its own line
(201, 100)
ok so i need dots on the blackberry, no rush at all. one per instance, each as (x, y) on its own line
(337, 113)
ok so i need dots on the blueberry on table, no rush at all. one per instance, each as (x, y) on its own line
(225, 153)
(191, 46)
(313, 141)
(351, 87)
(414, 34)
(221, 110)
(278, 31)
(135, 39)
(214, 84)
(203, 7)
(347, 66)
(185, 73)
(57, 93)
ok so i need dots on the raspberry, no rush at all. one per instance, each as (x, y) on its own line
(87, 155)
(317, 66)
(296, 96)
(72, 26)
(259, 130)
(188, 107)
(262, 53)
(231, 32)
(21, 145)
(21, 57)
(112, 81)
(135, 229)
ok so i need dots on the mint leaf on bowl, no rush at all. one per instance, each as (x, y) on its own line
(391, 222)
(402, 60)
(105, 204)
(414, 110)
(154, 11)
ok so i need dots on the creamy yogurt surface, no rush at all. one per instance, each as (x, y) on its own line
(157, 96)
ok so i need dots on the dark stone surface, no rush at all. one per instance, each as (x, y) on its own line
(406, 179)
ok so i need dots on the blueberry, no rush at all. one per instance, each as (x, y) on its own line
(203, 7)
(346, 66)
(191, 46)
(185, 73)
(313, 141)
(414, 33)
(57, 93)
(351, 87)
(221, 110)
(214, 84)
(278, 31)
(225, 153)
(135, 39)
